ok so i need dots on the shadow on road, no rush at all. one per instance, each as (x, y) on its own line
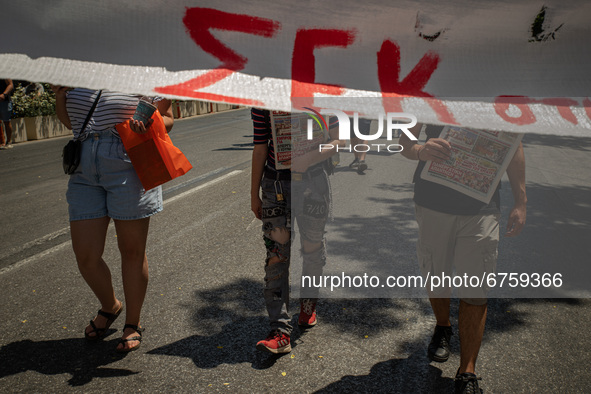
(229, 321)
(246, 146)
(84, 361)
(406, 375)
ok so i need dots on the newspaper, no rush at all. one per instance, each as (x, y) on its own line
(290, 136)
(479, 158)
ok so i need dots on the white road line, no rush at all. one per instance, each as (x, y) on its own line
(65, 230)
(252, 224)
(203, 186)
(34, 257)
(36, 242)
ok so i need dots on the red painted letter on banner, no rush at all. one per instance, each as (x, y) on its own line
(199, 22)
(303, 63)
(393, 90)
(587, 105)
(502, 104)
(562, 104)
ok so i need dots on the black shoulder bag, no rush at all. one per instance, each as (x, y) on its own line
(71, 152)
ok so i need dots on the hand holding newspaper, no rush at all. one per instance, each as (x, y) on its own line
(478, 160)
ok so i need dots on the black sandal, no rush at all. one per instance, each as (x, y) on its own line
(100, 332)
(138, 338)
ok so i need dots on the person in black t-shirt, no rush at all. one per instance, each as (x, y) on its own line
(457, 231)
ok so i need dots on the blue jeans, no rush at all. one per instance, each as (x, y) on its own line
(5, 111)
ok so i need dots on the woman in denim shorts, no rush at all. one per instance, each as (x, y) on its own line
(105, 186)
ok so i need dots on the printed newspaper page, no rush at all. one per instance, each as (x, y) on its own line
(478, 161)
(290, 136)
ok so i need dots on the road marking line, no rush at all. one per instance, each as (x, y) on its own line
(36, 242)
(197, 179)
(69, 242)
(251, 225)
(203, 186)
(34, 257)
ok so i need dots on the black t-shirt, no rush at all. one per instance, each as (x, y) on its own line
(444, 199)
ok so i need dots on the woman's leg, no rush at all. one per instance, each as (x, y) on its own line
(88, 241)
(131, 237)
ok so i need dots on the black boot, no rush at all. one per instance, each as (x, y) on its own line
(467, 383)
(439, 347)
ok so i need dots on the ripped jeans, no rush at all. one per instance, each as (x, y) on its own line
(310, 200)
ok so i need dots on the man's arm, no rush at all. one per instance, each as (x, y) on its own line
(259, 158)
(516, 174)
(436, 149)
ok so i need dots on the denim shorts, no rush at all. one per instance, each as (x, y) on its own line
(105, 183)
(5, 110)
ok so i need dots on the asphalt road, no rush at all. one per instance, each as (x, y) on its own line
(204, 310)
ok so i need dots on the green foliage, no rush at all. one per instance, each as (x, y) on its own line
(32, 104)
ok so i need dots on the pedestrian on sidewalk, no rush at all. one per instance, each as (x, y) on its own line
(462, 233)
(105, 186)
(6, 89)
(284, 190)
(359, 163)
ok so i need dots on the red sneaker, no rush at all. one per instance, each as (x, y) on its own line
(307, 316)
(276, 342)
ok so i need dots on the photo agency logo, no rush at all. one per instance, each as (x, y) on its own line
(394, 121)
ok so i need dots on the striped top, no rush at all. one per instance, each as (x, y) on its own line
(262, 133)
(112, 108)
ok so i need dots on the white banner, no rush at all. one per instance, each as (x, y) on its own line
(502, 65)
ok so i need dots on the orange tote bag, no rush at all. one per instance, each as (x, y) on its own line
(155, 159)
